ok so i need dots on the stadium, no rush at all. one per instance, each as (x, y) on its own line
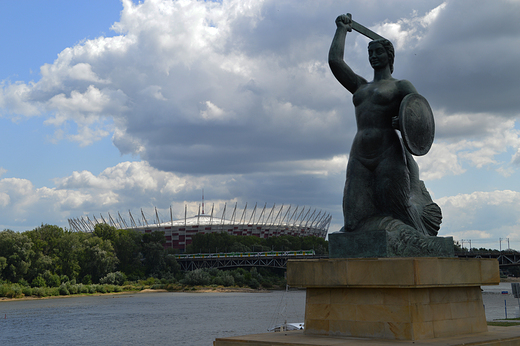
(259, 222)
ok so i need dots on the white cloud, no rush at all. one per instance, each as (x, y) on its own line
(4, 199)
(237, 95)
(480, 214)
(470, 139)
(407, 32)
(191, 79)
(213, 112)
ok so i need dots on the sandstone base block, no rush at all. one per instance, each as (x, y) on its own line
(390, 301)
(496, 336)
(394, 298)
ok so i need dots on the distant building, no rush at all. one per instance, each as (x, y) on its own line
(269, 222)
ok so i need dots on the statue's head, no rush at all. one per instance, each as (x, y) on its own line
(389, 48)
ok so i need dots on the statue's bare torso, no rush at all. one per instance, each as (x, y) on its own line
(376, 104)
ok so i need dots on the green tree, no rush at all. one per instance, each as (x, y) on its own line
(105, 232)
(3, 264)
(45, 239)
(70, 248)
(127, 246)
(40, 264)
(55, 250)
(16, 248)
(154, 253)
(38, 281)
(97, 258)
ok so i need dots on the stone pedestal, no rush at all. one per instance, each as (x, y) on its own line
(382, 243)
(390, 301)
(394, 298)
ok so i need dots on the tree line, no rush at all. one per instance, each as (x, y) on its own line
(224, 242)
(49, 255)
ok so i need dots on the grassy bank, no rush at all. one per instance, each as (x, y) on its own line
(16, 291)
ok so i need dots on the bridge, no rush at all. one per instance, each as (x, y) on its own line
(278, 259)
(272, 259)
(505, 258)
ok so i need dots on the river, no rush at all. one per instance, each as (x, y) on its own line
(165, 318)
(193, 319)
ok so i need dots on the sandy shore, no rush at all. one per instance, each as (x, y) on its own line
(147, 290)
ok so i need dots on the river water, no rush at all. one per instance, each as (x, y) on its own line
(193, 319)
(145, 318)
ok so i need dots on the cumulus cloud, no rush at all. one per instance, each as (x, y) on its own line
(470, 140)
(189, 84)
(479, 214)
(237, 95)
(121, 187)
(137, 185)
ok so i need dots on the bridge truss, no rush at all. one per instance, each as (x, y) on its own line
(505, 258)
(189, 264)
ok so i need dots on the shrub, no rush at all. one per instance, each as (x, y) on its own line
(197, 277)
(266, 283)
(23, 282)
(255, 274)
(82, 288)
(38, 281)
(168, 278)
(27, 291)
(101, 289)
(53, 280)
(39, 291)
(149, 282)
(225, 278)
(109, 288)
(3, 290)
(63, 290)
(254, 284)
(91, 288)
(53, 291)
(213, 271)
(239, 277)
(116, 278)
(14, 291)
(128, 288)
(73, 289)
(87, 280)
(218, 281)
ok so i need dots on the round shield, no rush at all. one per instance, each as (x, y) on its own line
(416, 124)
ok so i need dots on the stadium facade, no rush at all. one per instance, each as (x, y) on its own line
(259, 222)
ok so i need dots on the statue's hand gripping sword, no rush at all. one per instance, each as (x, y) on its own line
(364, 30)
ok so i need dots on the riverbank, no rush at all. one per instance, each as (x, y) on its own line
(193, 289)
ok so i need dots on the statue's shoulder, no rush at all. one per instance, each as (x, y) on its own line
(405, 87)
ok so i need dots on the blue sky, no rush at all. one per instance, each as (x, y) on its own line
(34, 33)
(110, 106)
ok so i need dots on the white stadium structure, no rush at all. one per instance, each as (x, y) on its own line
(260, 222)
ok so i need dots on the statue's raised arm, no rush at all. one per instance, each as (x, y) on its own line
(340, 69)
